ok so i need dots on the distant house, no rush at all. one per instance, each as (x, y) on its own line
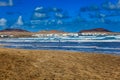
(5, 36)
(93, 33)
(97, 33)
(56, 35)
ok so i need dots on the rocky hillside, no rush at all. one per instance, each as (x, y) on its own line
(16, 32)
(13, 30)
(95, 30)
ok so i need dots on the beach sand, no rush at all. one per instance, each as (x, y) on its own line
(57, 65)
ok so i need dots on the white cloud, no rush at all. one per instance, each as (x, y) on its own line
(59, 15)
(111, 6)
(59, 22)
(3, 22)
(5, 3)
(56, 10)
(11, 2)
(40, 15)
(39, 8)
(20, 21)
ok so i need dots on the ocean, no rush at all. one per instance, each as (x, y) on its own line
(106, 45)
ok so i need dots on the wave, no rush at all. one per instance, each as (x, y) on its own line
(77, 47)
(52, 40)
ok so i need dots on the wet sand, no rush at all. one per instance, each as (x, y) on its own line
(17, 64)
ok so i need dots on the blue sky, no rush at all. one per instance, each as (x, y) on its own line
(71, 15)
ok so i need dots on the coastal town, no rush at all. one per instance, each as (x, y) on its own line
(17, 33)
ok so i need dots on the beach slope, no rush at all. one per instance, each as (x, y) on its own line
(57, 65)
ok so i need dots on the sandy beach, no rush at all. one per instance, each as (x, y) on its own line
(16, 64)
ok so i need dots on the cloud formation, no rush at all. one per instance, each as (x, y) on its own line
(106, 6)
(48, 16)
(6, 3)
(111, 6)
(55, 9)
(41, 9)
(40, 16)
(3, 22)
(19, 23)
(57, 18)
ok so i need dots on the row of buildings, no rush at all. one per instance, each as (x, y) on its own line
(6, 36)
(75, 34)
(97, 33)
(53, 34)
(56, 35)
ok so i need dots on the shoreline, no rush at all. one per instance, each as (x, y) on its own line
(23, 64)
(73, 51)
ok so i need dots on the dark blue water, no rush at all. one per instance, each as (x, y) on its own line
(99, 47)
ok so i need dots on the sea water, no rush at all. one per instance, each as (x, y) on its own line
(107, 45)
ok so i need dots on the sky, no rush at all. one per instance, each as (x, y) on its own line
(64, 15)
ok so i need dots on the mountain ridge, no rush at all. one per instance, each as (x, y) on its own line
(95, 30)
(13, 30)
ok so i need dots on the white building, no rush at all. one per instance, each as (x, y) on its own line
(6, 36)
(57, 35)
(93, 33)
